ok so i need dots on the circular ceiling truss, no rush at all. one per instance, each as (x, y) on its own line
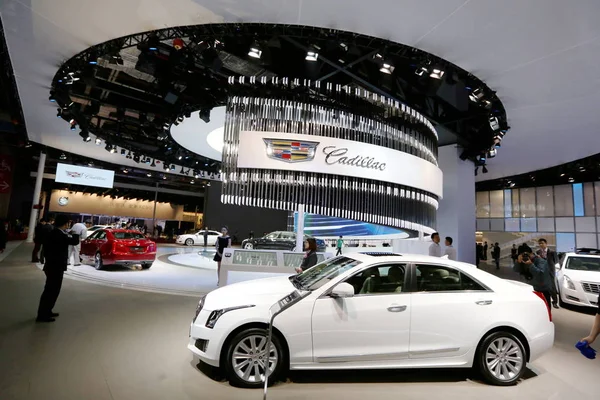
(129, 91)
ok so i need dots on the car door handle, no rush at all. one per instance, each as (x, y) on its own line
(396, 308)
(484, 302)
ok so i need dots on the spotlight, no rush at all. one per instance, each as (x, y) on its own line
(204, 114)
(172, 167)
(123, 151)
(166, 167)
(421, 71)
(164, 177)
(129, 157)
(63, 156)
(494, 124)
(52, 98)
(98, 141)
(192, 181)
(85, 136)
(149, 174)
(136, 158)
(476, 95)
(255, 50)
(153, 163)
(312, 54)
(180, 157)
(59, 113)
(492, 153)
(484, 169)
(180, 119)
(387, 68)
(437, 73)
(125, 171)
(73, 124)
(93, 58)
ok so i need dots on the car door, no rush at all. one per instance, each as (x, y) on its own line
(87, 246)
(99, 242)
(372, 327)
(268, 241)
(450, 309)
(286, 241)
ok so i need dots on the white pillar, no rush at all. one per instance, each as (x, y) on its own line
(456, 215)
(36, 196)
(300, 229)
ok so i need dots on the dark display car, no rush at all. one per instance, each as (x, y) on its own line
(280, 240)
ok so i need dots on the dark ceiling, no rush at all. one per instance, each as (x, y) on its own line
(583, 170)
(129, 91)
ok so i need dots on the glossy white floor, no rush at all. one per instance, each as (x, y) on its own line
(177, 270)
(111, 343)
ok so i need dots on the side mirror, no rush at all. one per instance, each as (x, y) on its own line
(557, 266)
(342, 290)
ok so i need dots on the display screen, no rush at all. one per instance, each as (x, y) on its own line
(324, 226)
(242, 257)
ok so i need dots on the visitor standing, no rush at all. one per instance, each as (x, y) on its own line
(450, 250)
(56, 252)
(340, 244)
(435, 250)
(485, 250)
(205, 234)
(513, 253)
(550, 255)
(223, 242)
(310, 256)
(45, 231)
(541, 276)
(496, 254)
(79, 229)
(37, 241)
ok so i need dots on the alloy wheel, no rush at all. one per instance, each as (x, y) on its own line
(249, 358)
(504, 359)
(249, 246)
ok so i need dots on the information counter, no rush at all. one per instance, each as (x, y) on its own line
(266, 261)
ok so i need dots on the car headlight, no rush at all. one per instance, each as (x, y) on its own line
(199, 308)
(216, 314)
(569, 283)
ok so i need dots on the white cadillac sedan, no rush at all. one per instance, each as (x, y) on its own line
(197, 238)
(374, 310)
(578, 278)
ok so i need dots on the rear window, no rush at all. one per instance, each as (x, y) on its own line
(584, 263)
(128, 235)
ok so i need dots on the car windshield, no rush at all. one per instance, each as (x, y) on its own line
(128, 235)
(315, 277)
(584, 263)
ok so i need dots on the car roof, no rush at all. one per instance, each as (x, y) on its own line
(122, 230)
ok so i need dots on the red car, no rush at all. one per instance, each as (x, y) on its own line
(118, 247)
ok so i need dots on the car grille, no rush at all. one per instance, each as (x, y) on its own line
(591, 287)
(201, 344)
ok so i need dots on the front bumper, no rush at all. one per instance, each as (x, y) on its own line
(206, 343)
(578, 296)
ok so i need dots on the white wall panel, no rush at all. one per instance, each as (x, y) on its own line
(497, 224)
(585, 224)
(586, 240)
(545, 225)
(565, 225)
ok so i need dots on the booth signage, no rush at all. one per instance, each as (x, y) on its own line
(85, 176)
(325, 155)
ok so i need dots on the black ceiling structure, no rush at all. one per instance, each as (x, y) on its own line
(129, 91)
(578, 171)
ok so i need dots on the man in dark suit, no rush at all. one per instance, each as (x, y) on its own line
(44, 231)
(37, 241)
(56, 252)
(552, 258)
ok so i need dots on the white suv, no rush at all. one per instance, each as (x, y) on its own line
(578, 278)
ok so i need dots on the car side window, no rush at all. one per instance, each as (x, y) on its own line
(273, 235)
(378, 280)
(438, 278)
(101, 235)
(287, 235)
(213, 234)
(93, 236)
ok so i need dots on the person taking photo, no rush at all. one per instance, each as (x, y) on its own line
(539, 270)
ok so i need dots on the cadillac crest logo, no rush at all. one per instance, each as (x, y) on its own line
(72, 174)
(291, 151)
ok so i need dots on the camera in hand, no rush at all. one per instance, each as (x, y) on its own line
(525, 257)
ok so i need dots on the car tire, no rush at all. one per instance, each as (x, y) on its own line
(189, 242)
(246, 372)
(249, 246)
(146, 265)
(98, 263)
(501, 359)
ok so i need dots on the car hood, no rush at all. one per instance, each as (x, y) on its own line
(586, 276)
(258, 292)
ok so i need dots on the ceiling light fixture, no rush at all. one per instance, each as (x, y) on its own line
(494, 123)
(98, 141)
(255, 50)
(85, 136)
(437, 73)
(387, 68)
(312, 54)
(63, 156)
(476, 95)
